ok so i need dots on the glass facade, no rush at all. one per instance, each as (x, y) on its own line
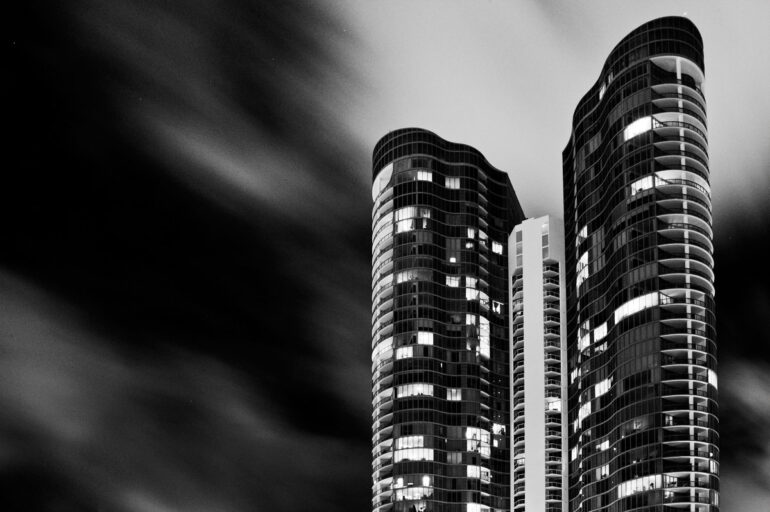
(440, 361)
(642, 415)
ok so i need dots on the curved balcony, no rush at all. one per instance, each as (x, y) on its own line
(671, 90)
(695, 232)
(382, 501)
(678, 213)
(669, 102)
(382, 469)
(698, 347)
(672, 129)
(671, 184)
(670, 106)
(382, 379)
(680, 277)
(676, 467)
(685, 250)
(383, 402)
(676, 198)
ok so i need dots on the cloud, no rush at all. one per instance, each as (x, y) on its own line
(172, 431)
(745, 449)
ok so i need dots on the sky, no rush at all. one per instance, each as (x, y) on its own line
(185, 272)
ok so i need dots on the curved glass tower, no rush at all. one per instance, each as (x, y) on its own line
(643, 427)
(440, 385)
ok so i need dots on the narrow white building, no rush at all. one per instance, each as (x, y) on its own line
(538, 366)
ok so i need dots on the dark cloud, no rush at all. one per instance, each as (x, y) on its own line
(87, 428)
(186, 261)
(742, 304)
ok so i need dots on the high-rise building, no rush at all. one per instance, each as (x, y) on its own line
(440, 362)
(538, 358)
(643, 426)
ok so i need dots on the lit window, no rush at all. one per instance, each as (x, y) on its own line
(645, 483)
(582, 235)
(478, 441)
(484, 337)
(405, 225)
(582, 269)
(407, 218)
(471, 232)
(409, 212)
(583, 412)
(603, 472)
(484, 300)
(713, 379)
(404, 352)
(424, 338)
(602, 387)
(573, 453)
(497, 307)
(584, 335)
(470, 319)
(553, 404)
(645, 183)
(454, 394)
(413, 493)
(635, 305)
(638, 127)
(454, 457)
(453, 281)
(498, 429)
(471, 294)
(414, 390)
(413, 275)
(425, 481)
(470, 282)
(410, 442)
(604, 445)
(474, 471)
(425, 175)
(600, 332)
(413, 454)
(452, 182)
(497, 247)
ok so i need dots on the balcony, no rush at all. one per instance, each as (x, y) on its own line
(661, 91)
